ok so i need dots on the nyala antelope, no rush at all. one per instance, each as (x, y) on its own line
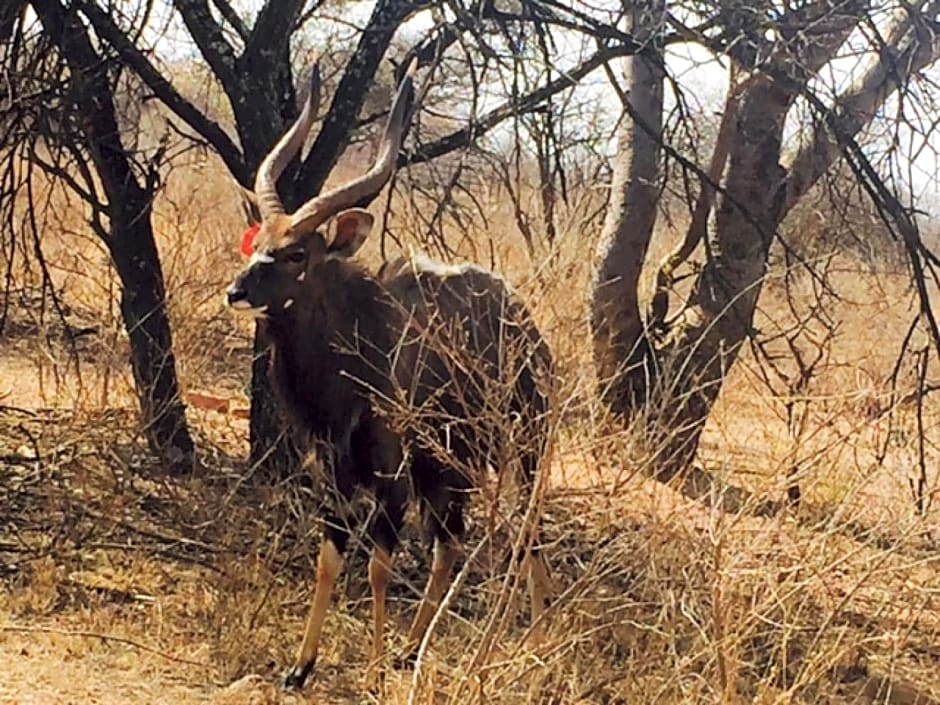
(348, 348)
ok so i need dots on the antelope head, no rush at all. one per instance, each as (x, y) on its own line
(288, 249)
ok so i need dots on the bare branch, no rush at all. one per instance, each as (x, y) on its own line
(211, 41)
(431, 49)
(228, 12)
(585, 23)
(210, 130)
(463, 137)
(912, 46)
(889, 207)
(271, 31)
(351, 93)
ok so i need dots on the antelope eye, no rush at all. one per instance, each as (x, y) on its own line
(296, 256)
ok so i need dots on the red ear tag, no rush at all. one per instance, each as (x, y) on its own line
(248, 239)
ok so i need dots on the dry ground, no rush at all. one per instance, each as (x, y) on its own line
(120, 586)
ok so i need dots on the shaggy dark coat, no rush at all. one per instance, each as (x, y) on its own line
(439, 366)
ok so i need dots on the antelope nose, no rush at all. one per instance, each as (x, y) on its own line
(235, 294)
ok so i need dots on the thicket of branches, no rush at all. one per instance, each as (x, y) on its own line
(792, 111)
(510, 89)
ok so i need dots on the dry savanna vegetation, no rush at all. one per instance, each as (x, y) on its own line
(120, 585)
(786, 551)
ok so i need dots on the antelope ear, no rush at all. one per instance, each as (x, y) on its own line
(249, 204)
(352, 228)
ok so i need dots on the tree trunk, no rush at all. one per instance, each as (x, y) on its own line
(705, 340)
(143, 308)
(272, 455)
(676, 380)
(622, 350)
(130, 240)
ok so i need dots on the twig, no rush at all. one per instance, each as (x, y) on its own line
(102, 637)
(17, 459)
(158, 550)
(154, 533)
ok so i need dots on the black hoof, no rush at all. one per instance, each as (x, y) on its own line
(295, 679)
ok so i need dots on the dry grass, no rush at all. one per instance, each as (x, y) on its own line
(122, 587)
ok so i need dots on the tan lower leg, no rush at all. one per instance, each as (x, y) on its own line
(329, 565)
(445, 555)
(380, 569)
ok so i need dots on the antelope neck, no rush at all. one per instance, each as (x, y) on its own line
(337, 299)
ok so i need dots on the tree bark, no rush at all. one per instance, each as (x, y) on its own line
(143, 308)
(622, 350)
(705, 340)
